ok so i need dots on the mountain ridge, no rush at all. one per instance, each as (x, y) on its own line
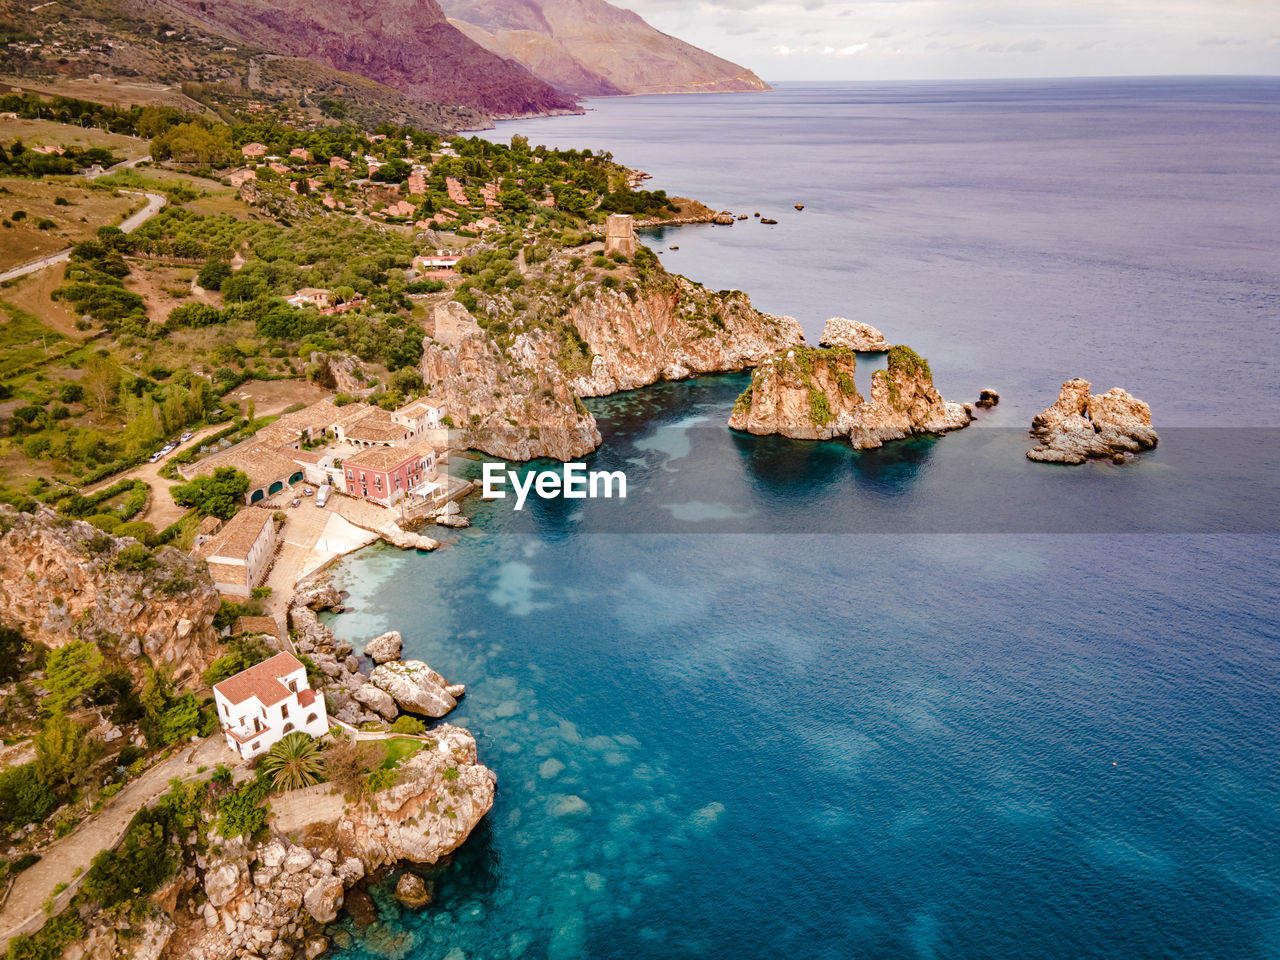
(591, 48)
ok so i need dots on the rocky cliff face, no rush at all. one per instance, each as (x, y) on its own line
(407, 45)
(520, 399)
(513, 403)
(273, 899)
(810, 394)
(672, 331)
(1082, 426)
(62, 580)
(591, 48)
(859, 337)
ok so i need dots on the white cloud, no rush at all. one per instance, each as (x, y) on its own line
(899, 39)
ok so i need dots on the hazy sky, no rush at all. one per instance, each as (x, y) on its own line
(900, 39)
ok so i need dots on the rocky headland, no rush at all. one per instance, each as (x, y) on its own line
(515, 391)
(858, 337)
(809, 393)
(63, 580)
(1084, 426)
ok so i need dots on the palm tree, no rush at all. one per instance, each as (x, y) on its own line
(294, 762)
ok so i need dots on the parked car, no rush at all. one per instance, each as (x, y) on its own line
(306, 491)
(296, 502)
(155, 456)
(322, 497)
(186, 436)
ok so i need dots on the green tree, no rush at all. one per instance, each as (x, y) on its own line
(293, 762)
(69, 672)
(217, 496)
(63, 754)
(13, 646)
(180, 720)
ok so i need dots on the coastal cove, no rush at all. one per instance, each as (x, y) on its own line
(743, 713)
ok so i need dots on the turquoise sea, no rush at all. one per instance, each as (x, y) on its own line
(933, 701)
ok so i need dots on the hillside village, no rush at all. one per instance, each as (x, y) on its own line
(230, 353)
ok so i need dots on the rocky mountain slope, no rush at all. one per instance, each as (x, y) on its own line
(810, 394)
(63, 580)
(1081, 426)
(591, 48)
(407, 45)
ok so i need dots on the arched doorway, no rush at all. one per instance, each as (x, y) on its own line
(275, 487)
(296, 478)
(257, 495)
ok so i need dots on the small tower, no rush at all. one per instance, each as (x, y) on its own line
(620, 234)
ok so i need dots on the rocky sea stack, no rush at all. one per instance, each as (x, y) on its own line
(859, 337)
(809, 393)
(1081, 426)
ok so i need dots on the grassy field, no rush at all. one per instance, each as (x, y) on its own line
(41, 132)
(85, 210)
(33, 293)
(119, 93)
(24, 340)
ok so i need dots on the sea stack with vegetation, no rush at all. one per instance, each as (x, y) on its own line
(809, 393)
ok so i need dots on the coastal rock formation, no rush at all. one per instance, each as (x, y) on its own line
(591, 48)
(513, 403)
(1082, 426)
(341, 372)
(809, 394)
(412, 891)
(441, 795)
(417, 688)
(385, 647)
(859, 337)
(63, 580)
(673, 329)
(988, 398)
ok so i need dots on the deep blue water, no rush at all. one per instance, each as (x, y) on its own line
(771, 705)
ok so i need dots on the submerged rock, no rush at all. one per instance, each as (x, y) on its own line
(859, 337)
(1081, 426)
(413, 892)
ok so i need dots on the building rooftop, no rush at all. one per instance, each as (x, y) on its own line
(240, 534)
(262, 680)
(377, 427)
(387, 458)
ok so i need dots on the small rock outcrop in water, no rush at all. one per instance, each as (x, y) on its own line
(1081, 426)
(809, 394)
(384, 648)
(417, 688)
(859, 337)
(988, 398)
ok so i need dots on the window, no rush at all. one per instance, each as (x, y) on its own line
(311, 718)
(284, 710)
(288, 727)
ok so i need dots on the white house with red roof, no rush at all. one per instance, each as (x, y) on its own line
(259, 706)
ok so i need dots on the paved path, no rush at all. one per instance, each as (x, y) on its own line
(155, 202)
(99, 832)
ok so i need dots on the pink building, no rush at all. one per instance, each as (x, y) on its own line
(387, 474)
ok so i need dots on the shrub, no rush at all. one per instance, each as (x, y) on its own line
(407, 724)
(24, 796)
(240, 813)
(144, 860)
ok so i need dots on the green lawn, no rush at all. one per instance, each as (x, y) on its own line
(398, 749)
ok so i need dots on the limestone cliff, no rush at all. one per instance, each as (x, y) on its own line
(513, 403)
(512, 386)
(1082, 426)
(810, 394)
(63, 580)
(671, 331)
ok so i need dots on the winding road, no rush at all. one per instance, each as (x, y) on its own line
(155, 202)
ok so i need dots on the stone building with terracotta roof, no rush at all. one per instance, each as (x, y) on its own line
(261, 705)
(240, 555)
(386, 475)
